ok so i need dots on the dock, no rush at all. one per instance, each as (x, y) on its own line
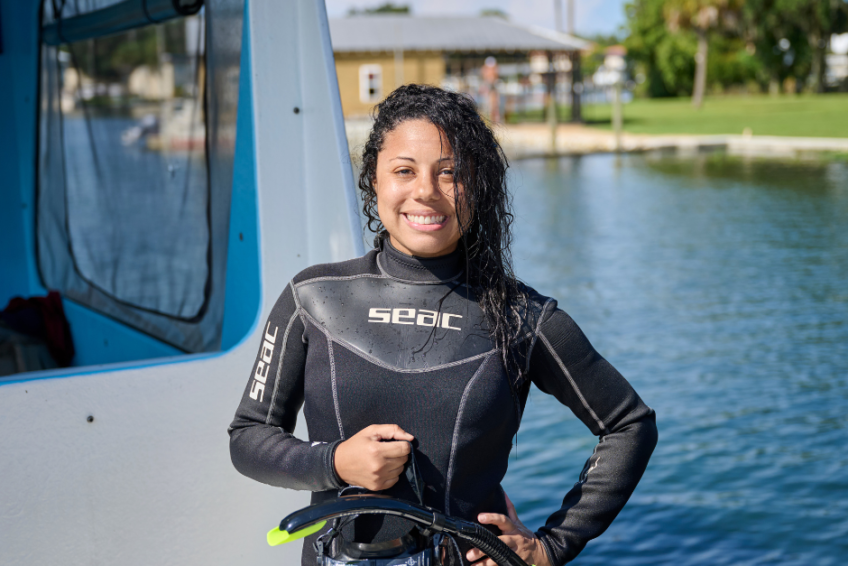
(524, 141)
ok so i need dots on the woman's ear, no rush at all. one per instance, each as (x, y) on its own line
(374, 186)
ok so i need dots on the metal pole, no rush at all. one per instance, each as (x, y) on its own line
(552, 106)
(558, 15)
(617, 115)
(398, 57)
(576, 75)
(576, 88)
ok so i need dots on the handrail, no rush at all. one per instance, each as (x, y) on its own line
(116, 18)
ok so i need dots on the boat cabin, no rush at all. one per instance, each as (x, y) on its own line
(166, 166)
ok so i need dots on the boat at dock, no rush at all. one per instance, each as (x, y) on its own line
(170, 239)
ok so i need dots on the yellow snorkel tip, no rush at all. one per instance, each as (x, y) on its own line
(277, 537)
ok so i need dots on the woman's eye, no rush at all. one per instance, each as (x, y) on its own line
(447, 172)
(404, 172)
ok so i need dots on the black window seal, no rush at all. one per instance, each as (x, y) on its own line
(117, 18)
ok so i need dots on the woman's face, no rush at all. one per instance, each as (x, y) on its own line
(415, 190)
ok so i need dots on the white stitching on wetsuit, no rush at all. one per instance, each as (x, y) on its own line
(584, 473)
(573, 383)
(339, 278)
(455, 439)
(298, 309)
(356, 351)
(383, 275)
(280, 366)
(387, 275)
(376, 361)
(335, 389)
(536, 334)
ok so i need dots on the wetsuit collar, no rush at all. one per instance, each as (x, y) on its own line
(410, 268)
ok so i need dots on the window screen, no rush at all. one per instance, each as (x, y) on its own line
(136, 139)
(134, 146)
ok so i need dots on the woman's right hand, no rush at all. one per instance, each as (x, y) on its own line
(365, 460)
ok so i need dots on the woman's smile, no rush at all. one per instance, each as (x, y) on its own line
(427, 222)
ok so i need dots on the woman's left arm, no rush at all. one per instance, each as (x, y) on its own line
(564, 364)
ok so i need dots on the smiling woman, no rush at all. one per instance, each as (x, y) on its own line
(427, 347)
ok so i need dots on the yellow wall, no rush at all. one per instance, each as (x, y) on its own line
(418, 67)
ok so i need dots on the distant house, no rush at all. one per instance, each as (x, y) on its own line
(377, 53)
(613, 69)
(837, 61)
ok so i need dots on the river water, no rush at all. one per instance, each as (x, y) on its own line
(719, 287)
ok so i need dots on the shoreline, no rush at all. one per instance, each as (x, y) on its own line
(528, 141)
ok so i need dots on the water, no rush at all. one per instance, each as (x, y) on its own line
(719, 288)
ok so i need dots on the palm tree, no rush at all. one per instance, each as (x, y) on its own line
(703, 17)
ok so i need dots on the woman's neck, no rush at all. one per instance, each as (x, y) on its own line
(426, 269)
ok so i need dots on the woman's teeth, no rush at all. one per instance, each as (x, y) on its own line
(426, 219)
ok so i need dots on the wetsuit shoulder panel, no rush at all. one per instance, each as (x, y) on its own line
(400, 325)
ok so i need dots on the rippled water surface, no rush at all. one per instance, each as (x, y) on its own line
(719, 288)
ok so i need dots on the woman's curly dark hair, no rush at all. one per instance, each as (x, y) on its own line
(480, 168)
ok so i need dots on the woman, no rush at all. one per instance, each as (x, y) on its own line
(430, 339)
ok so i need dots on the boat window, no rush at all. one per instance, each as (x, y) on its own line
(132, 214)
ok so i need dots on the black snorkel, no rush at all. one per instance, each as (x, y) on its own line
(312, 519)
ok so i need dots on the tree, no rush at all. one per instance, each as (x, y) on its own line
(791, 38)
(778, 42)
(817, 19)
(387, 8)
(660, 56)
(766, 41)
(494, 13)
(703, 17)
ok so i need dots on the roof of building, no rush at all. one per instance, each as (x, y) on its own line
(380, 32)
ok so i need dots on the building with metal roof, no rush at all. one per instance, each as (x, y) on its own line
(374, 33)
(377, 53)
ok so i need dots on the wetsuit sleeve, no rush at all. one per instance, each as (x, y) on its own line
(262, 446)
(564, 364)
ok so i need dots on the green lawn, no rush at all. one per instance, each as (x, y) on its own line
(805, 115)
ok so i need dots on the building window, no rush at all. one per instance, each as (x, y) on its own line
(370, 83)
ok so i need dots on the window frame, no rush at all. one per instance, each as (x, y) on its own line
(141, 321)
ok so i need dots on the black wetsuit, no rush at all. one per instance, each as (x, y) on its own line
(391, 339)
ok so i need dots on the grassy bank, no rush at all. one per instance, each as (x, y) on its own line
(803, 116)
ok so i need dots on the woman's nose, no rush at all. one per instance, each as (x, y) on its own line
(427, 188)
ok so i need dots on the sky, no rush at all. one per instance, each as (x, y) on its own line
(592, 16)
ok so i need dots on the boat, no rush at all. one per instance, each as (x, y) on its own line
(122, 457)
